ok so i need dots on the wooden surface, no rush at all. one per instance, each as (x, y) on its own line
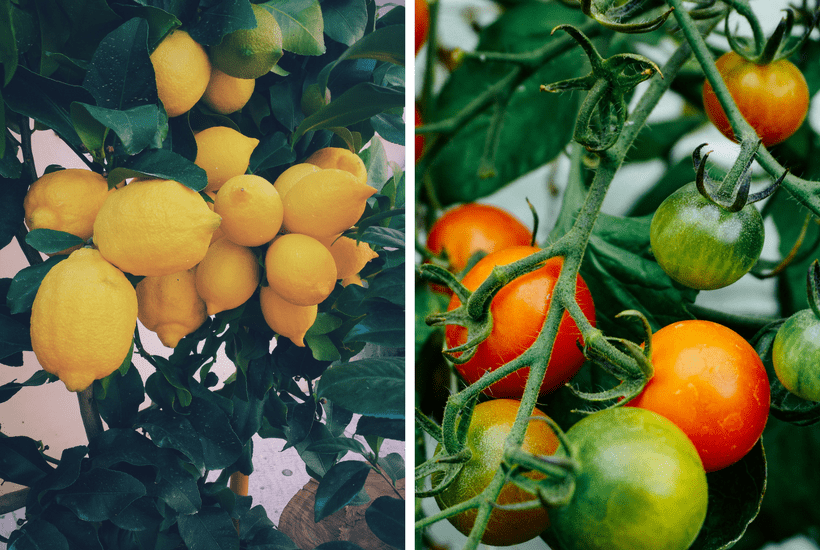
(347, 524)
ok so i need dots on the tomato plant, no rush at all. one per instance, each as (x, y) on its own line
(420, 137)
(702, 244)
(518, 311)
(712, 384)
(642, 485)
(422, 14)
(773, 97)
(490, 424)
(470, 228)
(796, 353)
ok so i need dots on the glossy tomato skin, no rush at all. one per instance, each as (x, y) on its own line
(712, 384)
(702, 245)
(796, 355)
(422, 23)
(642, 485)
(469, 228)
(519, 310)
(773, 98)
(491, 423)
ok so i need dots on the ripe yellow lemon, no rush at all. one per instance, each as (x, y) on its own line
(286, 319)
(227, 276)
(223, 153)
(66, 200)
(182, 70)
(291, 176)
(250, 53)
(342, 159)
(83, 319)
(300, 269)
(251, 210)
(227, 94)
(170, 306)
(350, 257)
(325, 203)
(154, 228)
(352, 280)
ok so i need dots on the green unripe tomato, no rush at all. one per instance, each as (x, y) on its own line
(702, 245)
(312, 99)
(642, 485)
(796, 355)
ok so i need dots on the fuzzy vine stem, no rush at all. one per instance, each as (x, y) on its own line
(573, 245)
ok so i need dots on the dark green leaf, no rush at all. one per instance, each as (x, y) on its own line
(338, 545)
(388, 285)
(221, 18)
(273, 151)
(384, 44)
(361, 102)
(160, 21)
(100, 494)
(25, 284)
(121, 75)
(255, 521)
(49, 241)
(38, 535)
(657, 139)
(123, 397)
(383, 326)
(178, 487)
(376, 162)
(220, 445)
(14, 337)
(8, 45)
(345, 20)
(12, 212)
(10, 165)
(140, 515)
(322, 347)
(381, 236)
(735, 494)
(523, 145)
(302, 26)
(21, 461)
(337, 445)
(168, 430)
(45, 100)
(338, 487)
(388, 428)
(373, 387)
(8, 390)
(389, 126)
(317, 463)
(66, 473)
(73, 27)
(80, 534)
(209, 529)
(162, 164)
(385, 517)
(247, 416)
(393, 465)
(138, 128)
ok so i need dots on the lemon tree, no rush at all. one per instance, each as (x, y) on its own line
(168, 223)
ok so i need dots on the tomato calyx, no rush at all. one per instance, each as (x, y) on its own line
(627, 361)
(780, 45)
(733, 192)
(813, 287)
(603, 112)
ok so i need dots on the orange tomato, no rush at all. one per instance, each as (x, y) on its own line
(422, 23)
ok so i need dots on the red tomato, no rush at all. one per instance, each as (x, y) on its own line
(422, 23)
(471, 228)
(773, 98)
(519, 310)
(419, 137)
(712, 384)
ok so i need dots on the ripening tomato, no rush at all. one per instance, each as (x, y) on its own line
(419, 137)
(519, 310)
(491, 423)
(422, 23)
(701, 244)
(641, 485)
(472, 227)
(796, 355)
(712, 384)
(773, 98)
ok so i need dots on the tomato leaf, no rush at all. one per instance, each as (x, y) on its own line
(338, 487)
(735, 494)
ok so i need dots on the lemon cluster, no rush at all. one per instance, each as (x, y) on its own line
(222, 77)
(198, 256)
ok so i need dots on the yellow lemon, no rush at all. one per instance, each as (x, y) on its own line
(154, 228)
(170, 306)
(227, 276)
(227, 94)
(251, 210)
(325, 203)
(350, 257)
(218, 234)
(223, 153)
(182, 70)
(292, 175)
(300, 269)
(66, 200)
(343, 159)
(286, 319)
(352, 280)
(250, 53)
(83, 319)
